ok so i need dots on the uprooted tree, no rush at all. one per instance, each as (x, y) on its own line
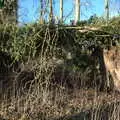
(79, 52)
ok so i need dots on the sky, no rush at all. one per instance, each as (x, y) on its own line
(29, 9)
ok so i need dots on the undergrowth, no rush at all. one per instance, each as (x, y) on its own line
(50, 73)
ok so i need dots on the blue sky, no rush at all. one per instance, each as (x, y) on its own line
(29, 9)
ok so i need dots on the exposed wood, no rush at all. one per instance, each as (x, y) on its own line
(112, 63)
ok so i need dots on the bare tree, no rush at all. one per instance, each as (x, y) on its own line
(51, 10)
(106, 9)
(77, 11)
(41, 11)
(61, 10)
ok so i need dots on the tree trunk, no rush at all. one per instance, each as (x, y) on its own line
(107, 10)
(41, 12)
(112, 63)
(61, 11)
(51, 11)
(77, 11)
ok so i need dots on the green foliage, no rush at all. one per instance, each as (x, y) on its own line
(1, 4)
(82, 23)
(115, 21)
(100, 21)
(15, 41)
(113, 27)
(26, 41)
(93, 19)
(21, 42)
(31, 41)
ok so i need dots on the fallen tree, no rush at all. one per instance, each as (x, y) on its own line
(112, 63)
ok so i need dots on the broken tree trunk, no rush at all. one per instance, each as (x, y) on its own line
(112, 63)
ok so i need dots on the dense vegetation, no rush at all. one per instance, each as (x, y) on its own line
(48, 70)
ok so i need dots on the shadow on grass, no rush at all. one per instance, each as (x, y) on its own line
(108, 111)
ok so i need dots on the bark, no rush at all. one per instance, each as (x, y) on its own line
(77, 11)
(107, 10)
(51, 11)
(61, 11)
(112, 63)
(41, 11)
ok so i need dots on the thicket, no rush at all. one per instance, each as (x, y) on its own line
(60, 60)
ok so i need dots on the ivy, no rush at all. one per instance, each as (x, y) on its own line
(1, 4)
